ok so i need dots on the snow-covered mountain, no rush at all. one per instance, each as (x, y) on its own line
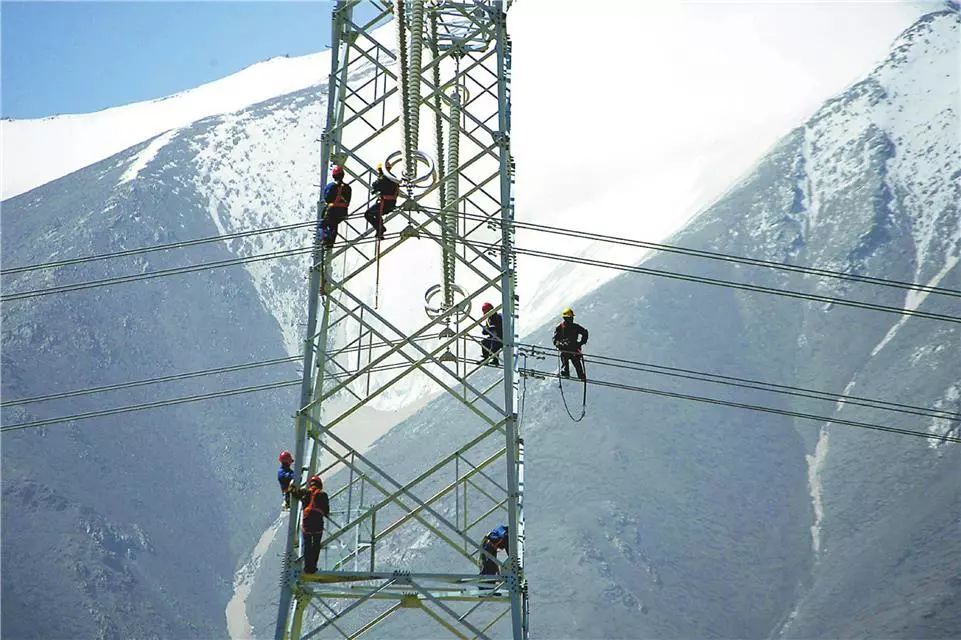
(656, 517)
(672, 520)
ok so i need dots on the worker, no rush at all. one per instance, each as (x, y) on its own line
(316, 508)
(386, 191)
(493, 328)
(490, 545)
(337, 200)
(569, 337)
(285, 475)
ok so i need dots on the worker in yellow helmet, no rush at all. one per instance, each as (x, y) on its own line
(385, 190)
(569, 337)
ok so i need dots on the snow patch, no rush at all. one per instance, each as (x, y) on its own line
(238, 625)
(913, 300)
(144, 157)
(943, 426)
(815, 467)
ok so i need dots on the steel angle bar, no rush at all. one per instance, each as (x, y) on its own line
(434, 91)
(390, 480)
(469, 115)
(443, 607)
(479, 186)
(328, 619)
(373, 622)
(376, 45)
(429, 472)
(483, 491)
(434, 498)
(484, 475)
(495, 620)
(444, 623)
(382, 131)
(398, 349)
(415, 336)
(396, 501)
(350, 608)
(500, 505)
(485, 150)
(427, 354)
(360, 576)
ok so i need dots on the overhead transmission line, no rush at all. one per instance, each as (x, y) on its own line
(748, 383)
(186, 399)
(714, 255)
(158, 247)
(532, 350)
(755, 407)
(195, 374)
(787, 293)
(161, 273)
(574, 233)
(519, 250)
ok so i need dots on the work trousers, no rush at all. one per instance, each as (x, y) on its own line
(312, 547)
(375, 215)
(328, 228)
(490, 347)
(567, 357)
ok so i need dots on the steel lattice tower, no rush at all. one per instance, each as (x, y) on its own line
(451, 72)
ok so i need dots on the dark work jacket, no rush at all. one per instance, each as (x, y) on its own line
(385, 188)
(337, 197)
(570, 336)
(316, 507)
(493, 327)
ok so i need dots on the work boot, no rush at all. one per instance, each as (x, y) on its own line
(566, 374)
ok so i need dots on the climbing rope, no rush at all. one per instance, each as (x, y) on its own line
(560, 385)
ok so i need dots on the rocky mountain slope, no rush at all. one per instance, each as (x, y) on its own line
(656, 517)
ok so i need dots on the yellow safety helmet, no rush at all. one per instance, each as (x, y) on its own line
(567, 313)
(380, 166)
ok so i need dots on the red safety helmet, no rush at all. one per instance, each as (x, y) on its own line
(337, 171)
(487, 306)
(285, 457)
(317, 481)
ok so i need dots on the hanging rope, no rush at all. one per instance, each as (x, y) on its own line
(560, 385)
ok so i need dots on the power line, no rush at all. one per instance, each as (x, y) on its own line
(160, 247)
(530, 252)
(788, 293)
(162, 273)
(713, 255)
(149, 381)
(181, 400)
(523, 371)
(192, 374)
(754, 407)
(760, 385)
(575, 233)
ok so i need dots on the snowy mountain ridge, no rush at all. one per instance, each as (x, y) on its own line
(40, 150)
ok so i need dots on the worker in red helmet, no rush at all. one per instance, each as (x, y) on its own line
(316, 508)
(285, 475)
(493, 328)
(336, 203)
(386, 192)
